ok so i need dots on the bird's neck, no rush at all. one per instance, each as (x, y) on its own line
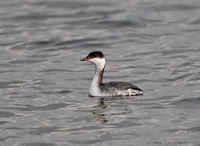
(98, 77)
(95, 85)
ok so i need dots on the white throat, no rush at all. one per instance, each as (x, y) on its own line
(99, 62)
(98, 77)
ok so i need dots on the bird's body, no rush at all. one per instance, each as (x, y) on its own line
(120, 88)
(99, 88)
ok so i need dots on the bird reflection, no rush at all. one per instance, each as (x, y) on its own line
(102, 103)
(99, 111)
(102, 107)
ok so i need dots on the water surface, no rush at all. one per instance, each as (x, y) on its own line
(44, 87)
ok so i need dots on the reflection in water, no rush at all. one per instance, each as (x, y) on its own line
(109, 109)
(99, 113)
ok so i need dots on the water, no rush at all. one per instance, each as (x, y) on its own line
(44, 87)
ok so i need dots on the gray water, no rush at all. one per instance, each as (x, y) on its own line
(154, 44)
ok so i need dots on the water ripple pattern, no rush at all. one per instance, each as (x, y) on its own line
(44, 87)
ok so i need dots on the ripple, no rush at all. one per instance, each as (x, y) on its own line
(32, 44)
(81, 129)
(11, 84)
(43, 55)
(195, 78)
(3, 122)
(19, 96)
(188, 103)
(57, 92)
(38, 144)
(146, 53)
(121, 23)
(196, 22)
(178, 51)
(22, 84)
(27, 61)
(9, 71)
(75, 41)
(83, 42)
(4, 114)
(72, 4)
(7, 138)
(195, 100)
(43, 130)
(179, 77)
(127, 123)
(96, 140)
(38, 108)
(175, 7)
(85, 142)
(192, 129)
(56, 70)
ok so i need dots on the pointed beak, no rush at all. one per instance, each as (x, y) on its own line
(84, 59)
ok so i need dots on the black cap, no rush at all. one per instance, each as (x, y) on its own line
(95, 54)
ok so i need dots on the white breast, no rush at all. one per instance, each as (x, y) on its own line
(94, 87)
(94, 91)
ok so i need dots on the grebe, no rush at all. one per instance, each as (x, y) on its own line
(98, 88)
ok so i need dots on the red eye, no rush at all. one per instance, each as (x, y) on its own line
(90, 57)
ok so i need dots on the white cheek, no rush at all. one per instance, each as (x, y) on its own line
(100, 62)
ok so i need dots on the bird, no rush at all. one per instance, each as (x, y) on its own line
(114, 88)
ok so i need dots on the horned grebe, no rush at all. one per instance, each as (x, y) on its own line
(98, 88)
